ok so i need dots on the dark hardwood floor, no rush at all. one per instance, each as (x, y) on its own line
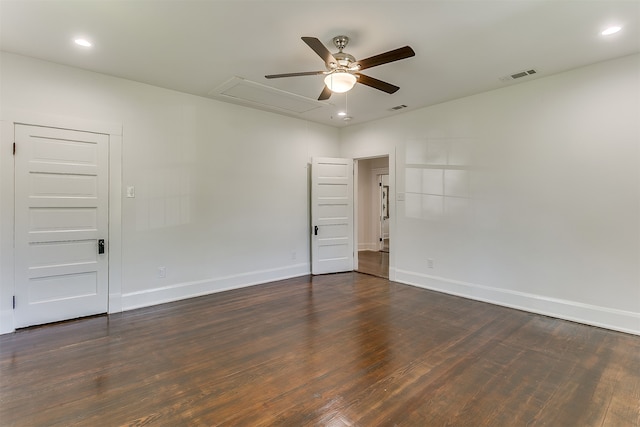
(375, 263)
(337, 350)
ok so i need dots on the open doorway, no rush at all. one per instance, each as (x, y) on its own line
(373, 213)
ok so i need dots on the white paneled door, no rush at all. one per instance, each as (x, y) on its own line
(331, 215)
(61, 222)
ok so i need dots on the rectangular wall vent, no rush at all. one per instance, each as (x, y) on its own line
(398, 107)
(517, 75)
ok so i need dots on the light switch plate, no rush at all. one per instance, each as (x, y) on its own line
(131, 191)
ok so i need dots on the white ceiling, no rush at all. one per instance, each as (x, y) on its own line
(462, 47)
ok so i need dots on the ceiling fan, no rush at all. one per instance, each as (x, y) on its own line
(343, 71)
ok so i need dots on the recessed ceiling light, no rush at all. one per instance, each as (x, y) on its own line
(83, 42)
(342, 114)
(611, 30)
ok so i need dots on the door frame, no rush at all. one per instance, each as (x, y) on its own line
(391, 155)
(376, 180)
(8, 120)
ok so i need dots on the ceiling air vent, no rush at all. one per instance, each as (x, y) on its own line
(518, 75)
(398, 107)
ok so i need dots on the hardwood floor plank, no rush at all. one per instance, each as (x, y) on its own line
(375, 263)
(344, 349)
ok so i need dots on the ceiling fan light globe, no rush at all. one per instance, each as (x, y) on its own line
(340, 82)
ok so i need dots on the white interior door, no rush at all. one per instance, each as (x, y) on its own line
(62, 183)
(331, 215)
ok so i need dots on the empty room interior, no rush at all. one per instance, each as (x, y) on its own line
(247, 213)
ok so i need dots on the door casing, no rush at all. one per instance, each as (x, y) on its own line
(391, 171)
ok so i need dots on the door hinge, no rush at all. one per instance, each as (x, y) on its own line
(14, 302)
(380, 184)
(14, 148)
(381, 239)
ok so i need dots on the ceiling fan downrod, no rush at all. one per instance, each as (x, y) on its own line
(340, 42)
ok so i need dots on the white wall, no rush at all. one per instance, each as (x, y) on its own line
(527, 196)
(221, 190)
(537, 205)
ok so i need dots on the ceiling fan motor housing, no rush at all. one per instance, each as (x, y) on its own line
(344, 60)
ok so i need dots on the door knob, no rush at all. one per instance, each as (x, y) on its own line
(100, 246)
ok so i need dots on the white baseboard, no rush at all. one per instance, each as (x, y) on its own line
(180, 291)
(198, 288)
(617, 320)
(367, 247)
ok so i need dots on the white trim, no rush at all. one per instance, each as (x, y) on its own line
(180, 291)
(393, 212)
(6, 226)
(356, 216)
(376, 173)
(9, 118)
(391, 154)
(6, 321)
(33, 118)
(618, 320)
(371, 246)
(115, 224)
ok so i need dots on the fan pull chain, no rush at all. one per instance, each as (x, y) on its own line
(346, 104)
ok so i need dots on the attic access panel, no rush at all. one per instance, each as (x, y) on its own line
(245, 92)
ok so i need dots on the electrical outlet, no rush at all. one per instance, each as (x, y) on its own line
(131, 192)
(162, 272)
(429, 263)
